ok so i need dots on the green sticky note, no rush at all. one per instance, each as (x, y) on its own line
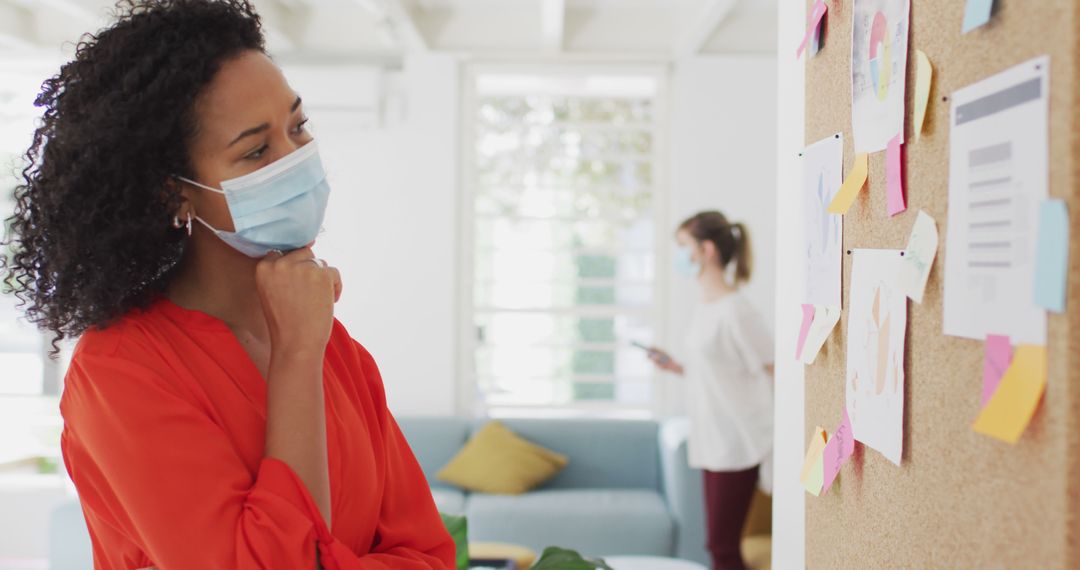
(1052, 256)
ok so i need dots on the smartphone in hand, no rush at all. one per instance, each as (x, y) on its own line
(658, 356)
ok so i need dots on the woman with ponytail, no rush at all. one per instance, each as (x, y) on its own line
(728, 371)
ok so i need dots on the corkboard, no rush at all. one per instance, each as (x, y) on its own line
(959, 499)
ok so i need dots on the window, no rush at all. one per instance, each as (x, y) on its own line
(561, 186)
(29, 381)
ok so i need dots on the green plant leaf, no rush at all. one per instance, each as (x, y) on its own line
(555, 558)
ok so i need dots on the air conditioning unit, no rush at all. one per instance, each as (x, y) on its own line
(353, 93)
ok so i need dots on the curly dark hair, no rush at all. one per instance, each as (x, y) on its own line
(91, 237)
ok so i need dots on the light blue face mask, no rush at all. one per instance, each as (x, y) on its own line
(279, 206)
(685, 264)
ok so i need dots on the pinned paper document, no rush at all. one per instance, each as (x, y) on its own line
(924, 78)
(825, 319)
(999, 165)
(807, 320)
(823, 254)
(854, 182)
(877, 327)
(894, 165)
(1052, 256)
(879, 63)
(1010, 409)
(914, 269)
(837, 452)
(813, 475)
(996, 361)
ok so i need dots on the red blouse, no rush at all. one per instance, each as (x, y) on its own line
(164, 430)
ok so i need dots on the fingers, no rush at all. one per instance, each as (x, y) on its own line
(300, 255)
(304, 255)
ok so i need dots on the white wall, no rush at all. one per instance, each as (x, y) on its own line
(789, 507)
(391, 223)
(723, 156)
(391, 228)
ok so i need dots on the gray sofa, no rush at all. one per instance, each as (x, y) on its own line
(626, 490)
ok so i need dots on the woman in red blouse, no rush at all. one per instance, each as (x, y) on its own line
(216, 415)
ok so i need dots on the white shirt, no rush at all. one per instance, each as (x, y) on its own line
(729, 392)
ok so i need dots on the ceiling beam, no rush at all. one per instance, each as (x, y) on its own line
(396, 24)
(16, 27)
(384, 28)
(709, 17)
(73, 10)
(405, 27)
(285, 23)
(552, 24)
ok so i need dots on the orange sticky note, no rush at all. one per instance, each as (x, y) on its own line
(854, 182)
(924, 76)
(1009, 410)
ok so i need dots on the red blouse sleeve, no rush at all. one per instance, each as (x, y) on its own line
(168, 476)
(410, 533)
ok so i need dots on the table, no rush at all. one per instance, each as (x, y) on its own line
(650, 563)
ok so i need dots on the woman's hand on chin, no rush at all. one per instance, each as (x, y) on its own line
(298, 292)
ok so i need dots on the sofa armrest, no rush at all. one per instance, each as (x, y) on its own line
(69, 539)
(683, 491)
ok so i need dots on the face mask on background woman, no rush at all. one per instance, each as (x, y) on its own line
(685, 264)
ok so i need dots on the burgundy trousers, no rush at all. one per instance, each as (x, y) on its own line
(727, 502)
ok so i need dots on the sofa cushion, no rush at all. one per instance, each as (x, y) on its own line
(595, 522)
(449, 501)
(614, 454)
(434, 441)
(496, 460)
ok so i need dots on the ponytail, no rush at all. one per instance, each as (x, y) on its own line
(742, 255)
(732, 241)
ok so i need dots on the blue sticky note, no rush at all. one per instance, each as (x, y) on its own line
(977, 13)
(1052, 257)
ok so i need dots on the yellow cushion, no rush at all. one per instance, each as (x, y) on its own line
(496, 460)
(522, 556)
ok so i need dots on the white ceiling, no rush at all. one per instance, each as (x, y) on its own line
(388, 29)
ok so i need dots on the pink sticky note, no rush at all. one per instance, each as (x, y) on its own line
(999, 355)
(894, 174)
(807, 320)
(816, 14)
(837, 452)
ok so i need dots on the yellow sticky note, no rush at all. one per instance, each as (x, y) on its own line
(813, 470)
(1009, 410)
(851, 187)
(924, 75)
